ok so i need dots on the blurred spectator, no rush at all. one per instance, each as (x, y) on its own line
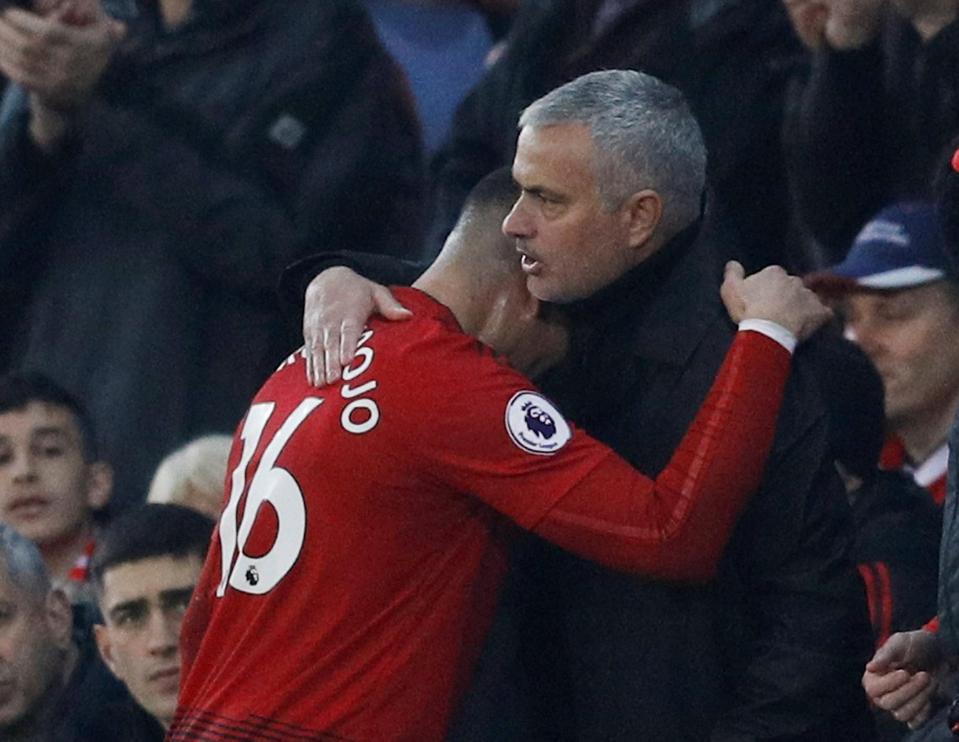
(730, 57)
(879, 102)
(49, 684)
(35, 641)
(151, 192)
(144, 574)
(900, 303)
(193, 476)
(51, 479)
(909, 676)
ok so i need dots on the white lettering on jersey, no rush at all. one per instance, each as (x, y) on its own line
(360, 415)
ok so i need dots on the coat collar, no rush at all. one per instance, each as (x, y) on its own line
(662, 308)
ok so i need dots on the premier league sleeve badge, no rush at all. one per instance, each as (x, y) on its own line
(535, 425)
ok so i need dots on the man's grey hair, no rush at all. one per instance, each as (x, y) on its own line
(23, 562)
(644, 135)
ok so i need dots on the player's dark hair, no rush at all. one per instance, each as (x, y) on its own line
(18, 390)
(495, 190)
(147, 531)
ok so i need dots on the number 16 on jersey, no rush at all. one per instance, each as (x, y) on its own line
(270, 484)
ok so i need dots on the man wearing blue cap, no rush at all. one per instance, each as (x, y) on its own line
(900, 301)
(909, 675)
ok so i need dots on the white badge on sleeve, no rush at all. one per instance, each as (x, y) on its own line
(535, 425)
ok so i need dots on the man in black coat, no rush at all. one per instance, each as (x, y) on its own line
(612, 171)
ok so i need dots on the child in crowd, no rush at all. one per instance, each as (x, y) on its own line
(52, 482)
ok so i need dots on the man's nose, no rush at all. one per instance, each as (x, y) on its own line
(163, 633)
(516, 223)
(24, 467)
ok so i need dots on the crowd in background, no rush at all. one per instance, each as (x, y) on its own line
(161, 165)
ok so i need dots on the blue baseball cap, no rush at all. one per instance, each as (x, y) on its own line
(902, 246)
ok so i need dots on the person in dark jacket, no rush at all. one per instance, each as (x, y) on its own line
(152, 188)
(595, 654)
(868, 117)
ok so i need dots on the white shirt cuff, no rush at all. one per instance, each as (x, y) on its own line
(772, 330)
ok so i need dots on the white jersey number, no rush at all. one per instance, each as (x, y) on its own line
(270, 484)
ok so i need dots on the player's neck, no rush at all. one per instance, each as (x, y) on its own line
(450, 289)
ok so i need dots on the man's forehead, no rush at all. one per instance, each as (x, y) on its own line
(926, 294)
(39, 418)
(148, 578)
(553, 152)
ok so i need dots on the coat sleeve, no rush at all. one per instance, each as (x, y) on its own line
(384, 269)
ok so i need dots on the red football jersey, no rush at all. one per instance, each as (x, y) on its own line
(354, 570)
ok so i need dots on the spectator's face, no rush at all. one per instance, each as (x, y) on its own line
(143, 603)
(34, 636)
(571, 246)
(912, 336)
(47, 489)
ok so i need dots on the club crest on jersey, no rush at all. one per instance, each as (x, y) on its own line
(535, 425)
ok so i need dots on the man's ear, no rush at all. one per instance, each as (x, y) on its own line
(105, 646)
(99, 484)
(642, 211)
(59, 615)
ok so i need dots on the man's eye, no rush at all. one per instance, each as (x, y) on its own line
(5, 457)
(129, 619)
(51, 451)
(178, 603)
